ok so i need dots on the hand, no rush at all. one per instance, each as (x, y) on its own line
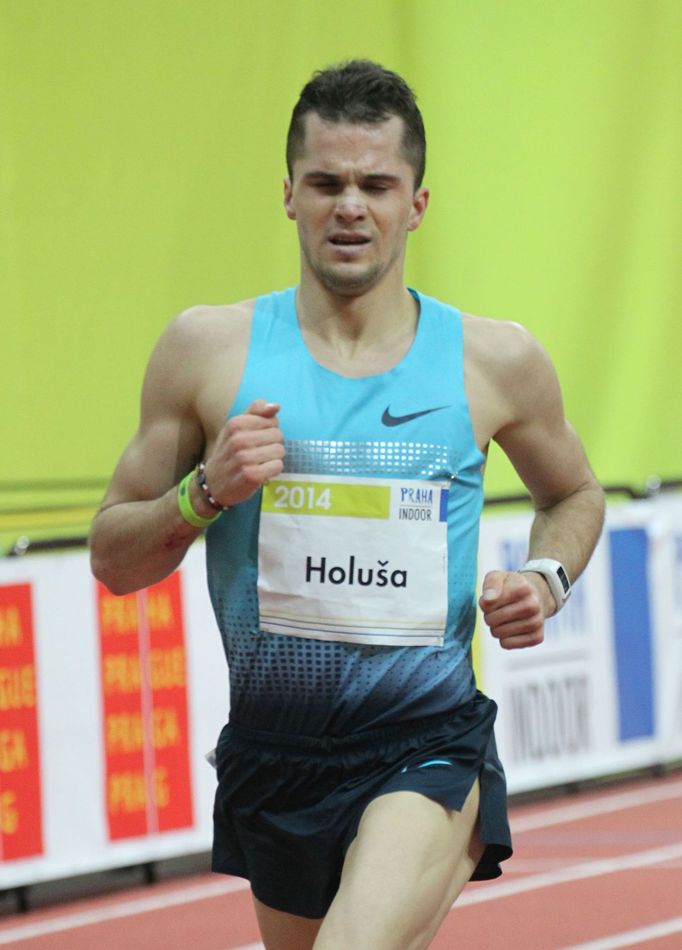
(515, 607)
(249, 450)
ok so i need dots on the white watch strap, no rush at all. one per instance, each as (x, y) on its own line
(555, 574)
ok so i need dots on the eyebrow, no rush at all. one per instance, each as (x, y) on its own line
(382, 177)
(372, 177)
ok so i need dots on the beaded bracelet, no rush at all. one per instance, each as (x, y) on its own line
(201, 480)
(185, 505)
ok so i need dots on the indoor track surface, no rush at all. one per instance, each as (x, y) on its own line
(594, 870)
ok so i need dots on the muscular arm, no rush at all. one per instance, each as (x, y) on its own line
(138, 536)
(568, 501)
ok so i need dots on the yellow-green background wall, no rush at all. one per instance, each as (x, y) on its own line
(141, 160)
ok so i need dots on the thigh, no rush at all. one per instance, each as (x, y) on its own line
(282, 931)
(408, 863)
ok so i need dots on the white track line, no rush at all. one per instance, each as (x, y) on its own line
(629, 938)
(601, 806)
(576, 872)
(127, 908)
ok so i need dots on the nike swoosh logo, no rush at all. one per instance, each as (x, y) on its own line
(389, 420)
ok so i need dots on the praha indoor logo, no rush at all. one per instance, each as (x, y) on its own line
(415, 504)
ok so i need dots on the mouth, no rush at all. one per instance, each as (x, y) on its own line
(348, 240)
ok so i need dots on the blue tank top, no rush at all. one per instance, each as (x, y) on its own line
(335, 425)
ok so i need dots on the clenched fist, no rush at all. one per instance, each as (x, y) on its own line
(515, 607)
(249, 450)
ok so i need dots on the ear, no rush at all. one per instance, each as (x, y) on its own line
(420, 202)
(288, 199)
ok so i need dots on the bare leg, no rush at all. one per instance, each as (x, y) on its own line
(281, 931)
(409, 862)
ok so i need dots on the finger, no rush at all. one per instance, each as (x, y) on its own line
(249, 422)
(258, 454)
(493, 584)
(256, 475)
(242, 440)
(517, 626)
(524, 610)
(242, 433)
(522, 640)
(260, 407)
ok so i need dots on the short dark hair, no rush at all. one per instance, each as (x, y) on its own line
(364, 92)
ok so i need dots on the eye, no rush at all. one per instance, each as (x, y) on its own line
(327, 186)
(376, 184)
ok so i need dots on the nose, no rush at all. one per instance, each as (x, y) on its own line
(350, 206)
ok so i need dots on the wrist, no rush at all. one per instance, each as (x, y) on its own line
(199, 501)
(191, 504)
(206, 491)
(555, 579)
(544, 593)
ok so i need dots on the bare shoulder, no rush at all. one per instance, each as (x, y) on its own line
(223, 322)
(507, 371)
(197, 362)
(502, 345)
(506, 352)
(189, 385)
(197, 337)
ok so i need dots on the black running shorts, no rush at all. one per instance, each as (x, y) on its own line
(288, 807)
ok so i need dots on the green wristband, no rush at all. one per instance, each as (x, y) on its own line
(185, 505)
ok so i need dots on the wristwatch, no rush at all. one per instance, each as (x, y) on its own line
(555, 574)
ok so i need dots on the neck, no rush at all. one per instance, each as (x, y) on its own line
(378, 314)
(357, 335)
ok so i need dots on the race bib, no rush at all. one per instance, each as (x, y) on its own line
(354, 560)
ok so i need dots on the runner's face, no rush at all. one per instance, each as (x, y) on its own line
(353, 199)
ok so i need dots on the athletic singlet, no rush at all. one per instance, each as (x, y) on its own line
(410, 423)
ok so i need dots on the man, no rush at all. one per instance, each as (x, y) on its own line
(343, 426)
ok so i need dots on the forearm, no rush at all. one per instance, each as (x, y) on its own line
(516, 605)
(569, 530)
(137, 543)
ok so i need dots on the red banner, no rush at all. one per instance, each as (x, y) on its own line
(21, 833)
(146, 729)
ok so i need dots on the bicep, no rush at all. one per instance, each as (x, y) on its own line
(157, 457)
(539, 441)
(169, 439)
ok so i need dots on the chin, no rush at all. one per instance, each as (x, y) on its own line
(348, 284)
